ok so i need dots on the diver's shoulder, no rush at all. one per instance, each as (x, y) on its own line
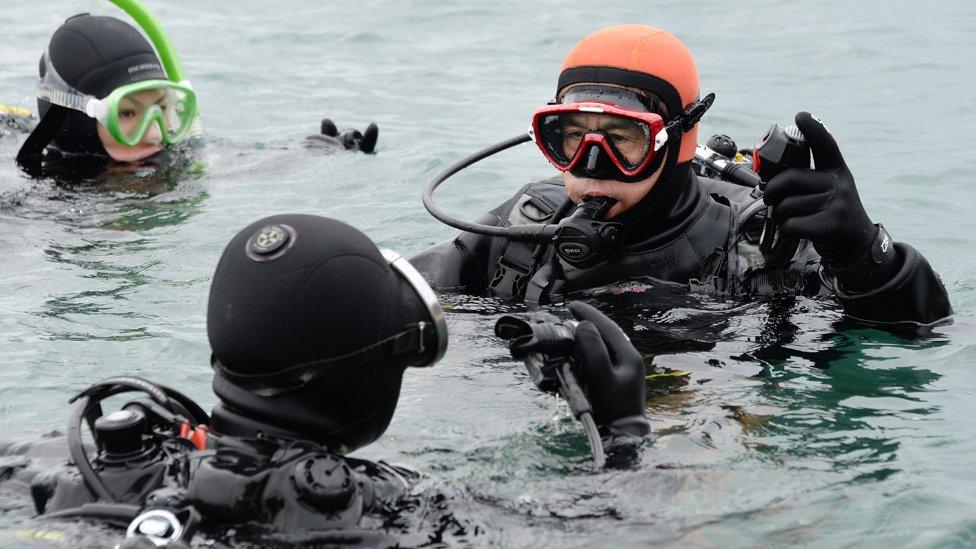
(552, 189)
(535, 202)
(732, 193)
(551, 186)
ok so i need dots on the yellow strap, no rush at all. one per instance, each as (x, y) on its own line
(14, 111)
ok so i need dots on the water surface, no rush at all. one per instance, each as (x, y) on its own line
(793, 426)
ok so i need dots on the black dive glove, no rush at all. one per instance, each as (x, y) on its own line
(611, 371)
(822, 205)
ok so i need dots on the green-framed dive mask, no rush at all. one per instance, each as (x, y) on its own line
(130, 111)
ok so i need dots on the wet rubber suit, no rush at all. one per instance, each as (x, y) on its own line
(692, 232)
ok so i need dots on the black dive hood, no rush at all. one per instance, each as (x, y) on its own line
(311, 328)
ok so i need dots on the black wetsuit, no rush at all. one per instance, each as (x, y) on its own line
(705, 236)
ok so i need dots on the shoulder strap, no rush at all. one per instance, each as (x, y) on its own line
(516, 262)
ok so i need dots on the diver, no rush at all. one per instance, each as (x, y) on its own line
(329, 137)
(105, 95)
(311, 327)
(623, 132)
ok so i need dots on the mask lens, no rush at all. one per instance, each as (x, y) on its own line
(135, 107)
(177, 114)
(155, 110)
(552, 136)
(429, 299)
(630, 140)
(563, 134)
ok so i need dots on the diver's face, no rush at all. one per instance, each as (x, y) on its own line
(131, 110)
(628, 139)
(625, 134)
(626, 194)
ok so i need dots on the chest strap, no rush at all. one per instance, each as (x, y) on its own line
(515, 268)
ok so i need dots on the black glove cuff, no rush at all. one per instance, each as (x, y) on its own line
(913, 294)
(878, 264)
(630, 426)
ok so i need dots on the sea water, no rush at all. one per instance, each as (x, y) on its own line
(792, 427)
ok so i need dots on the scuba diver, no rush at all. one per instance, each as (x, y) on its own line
(312, 328)
(105, 95)
(623, 132)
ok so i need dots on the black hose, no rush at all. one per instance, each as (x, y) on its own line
(120, 514)
(86, 402)
(730, 171)
(522, 233)
(583, 410)
(77, 450)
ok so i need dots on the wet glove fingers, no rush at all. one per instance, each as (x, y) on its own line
(596, 370)
(611, 369)
(797, 181)
(615, 338)
(614, 390)
(838, 226)
(823, 146)
(801, 205)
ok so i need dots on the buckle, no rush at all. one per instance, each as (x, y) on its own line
(687, 120)
(509, 279)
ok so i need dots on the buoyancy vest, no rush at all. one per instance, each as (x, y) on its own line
(714, 249)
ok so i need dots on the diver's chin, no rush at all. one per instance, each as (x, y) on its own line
(133, 154)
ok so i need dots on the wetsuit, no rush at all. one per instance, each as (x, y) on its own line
(704, 236)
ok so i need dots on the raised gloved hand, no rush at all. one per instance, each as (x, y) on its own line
(822, 203)
(611, 371)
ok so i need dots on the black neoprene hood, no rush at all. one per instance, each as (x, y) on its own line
(95, 55)
(296, 289)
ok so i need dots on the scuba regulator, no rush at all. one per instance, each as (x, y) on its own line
(778, 150)
(158, 471)
(581, 238)
(139, 451)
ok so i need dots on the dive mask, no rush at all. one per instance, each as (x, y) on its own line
(608, 132)
(129, 111)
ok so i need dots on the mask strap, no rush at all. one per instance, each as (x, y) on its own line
(409, 341)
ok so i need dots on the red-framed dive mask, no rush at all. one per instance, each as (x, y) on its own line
(604, 132)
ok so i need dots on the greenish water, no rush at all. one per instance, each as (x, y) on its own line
(794, 428)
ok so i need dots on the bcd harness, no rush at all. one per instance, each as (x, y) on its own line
(715, 251)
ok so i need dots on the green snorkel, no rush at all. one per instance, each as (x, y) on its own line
(154, 30)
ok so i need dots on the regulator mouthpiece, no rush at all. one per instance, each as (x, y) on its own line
(594, 207)
(584, 239)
